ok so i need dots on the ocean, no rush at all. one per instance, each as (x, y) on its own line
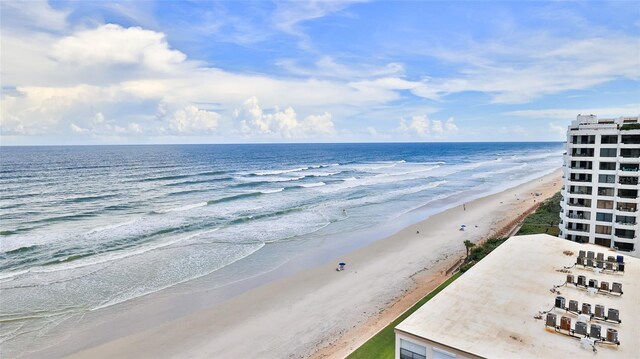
(87, 227)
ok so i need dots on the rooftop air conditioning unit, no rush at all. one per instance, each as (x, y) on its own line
(590, 255)
(595, 331)
(582, 281)
(551, 320)
(616, 288)
(586, 308)
(613, 315)
(599, 312)
(604, 286)
(593, 283)
(570, 278)
(612, 335)
(573, 306)
(581, 328)
(559, 302)
(565, 323)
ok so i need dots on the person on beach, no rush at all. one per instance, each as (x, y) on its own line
(464, 206)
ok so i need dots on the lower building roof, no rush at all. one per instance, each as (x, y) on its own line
(490, 310)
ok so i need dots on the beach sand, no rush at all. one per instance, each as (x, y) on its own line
(324, 313)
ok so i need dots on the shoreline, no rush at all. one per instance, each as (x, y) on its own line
(314, 309)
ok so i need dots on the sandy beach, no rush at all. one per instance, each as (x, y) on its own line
(319, 312)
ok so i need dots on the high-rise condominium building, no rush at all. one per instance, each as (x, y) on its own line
(600, 198)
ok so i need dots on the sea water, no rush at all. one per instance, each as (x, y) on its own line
(87, 227)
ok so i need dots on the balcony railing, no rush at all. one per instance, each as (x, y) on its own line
(580, 192)
(578, 204)
(630, 223)
(578, 216)
(626, 209)
(578, 229)
(632, 182)
(579, 180)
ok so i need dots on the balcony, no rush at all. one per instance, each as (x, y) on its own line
(577, 227)
(628, 193)
(628, 208)
(625, 233)
(628, 181)
(580, 191)
(579, 215)
(579, 204)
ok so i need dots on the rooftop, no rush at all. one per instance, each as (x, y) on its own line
(489, 311)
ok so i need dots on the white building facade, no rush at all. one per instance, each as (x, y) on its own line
(600, 198)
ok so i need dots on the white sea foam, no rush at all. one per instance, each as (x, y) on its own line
(276, 190)
(315, 184)
(182, 208)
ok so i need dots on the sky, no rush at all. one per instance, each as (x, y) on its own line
(141, 72)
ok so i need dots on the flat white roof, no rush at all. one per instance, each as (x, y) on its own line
(489, 311)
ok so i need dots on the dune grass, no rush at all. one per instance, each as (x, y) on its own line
(545, 219)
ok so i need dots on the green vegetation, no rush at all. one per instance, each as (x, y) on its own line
(382, 345)
(479, 252)
(545, 219)
(630, 126)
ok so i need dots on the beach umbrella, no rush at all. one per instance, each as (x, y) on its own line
(463, 225)
(342, 264)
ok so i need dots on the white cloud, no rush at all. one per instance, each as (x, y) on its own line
(112, 44)
(422, 126)
(557, 129)
(256, 122)
(192, 120)
(34, 13)
(535, 66)
(571, 113)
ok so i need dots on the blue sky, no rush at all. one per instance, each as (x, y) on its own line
(240, 71)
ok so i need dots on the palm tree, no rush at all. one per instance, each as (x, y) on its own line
(468, 245)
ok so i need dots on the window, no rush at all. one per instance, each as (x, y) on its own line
(605, 204)
(604, 217)
(603, 229)
(625, 233)
(606, 242)
(441, 354)
(604, 191)
(608, 166)
(609, 139)
(625, 247)
(608, 152)
(411, 350)
(607, 178)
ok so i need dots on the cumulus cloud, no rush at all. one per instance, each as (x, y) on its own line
(192, 120)
(112, 44)
(422, 126)
(254, 121)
